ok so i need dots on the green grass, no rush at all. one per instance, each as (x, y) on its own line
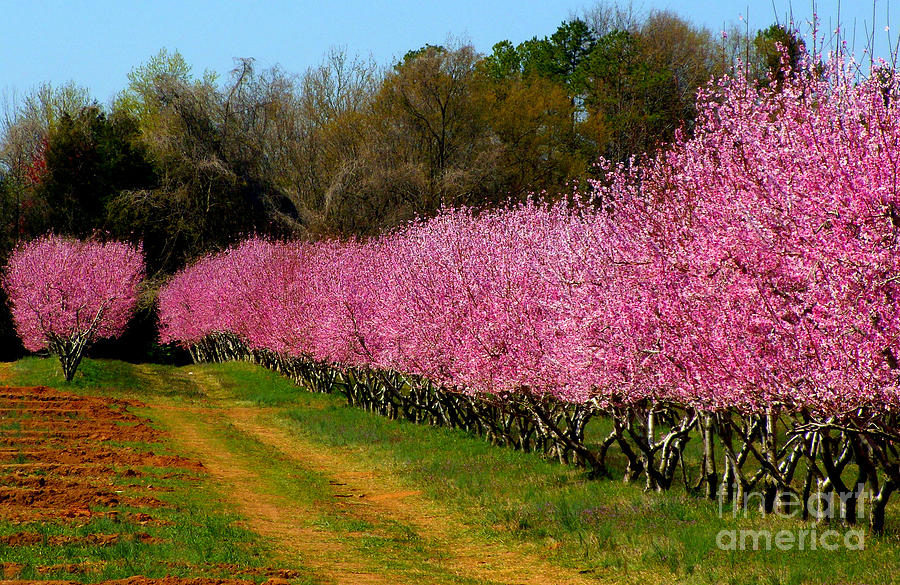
(606, 528)
(245, 382)
(108, 377)
(254, 385)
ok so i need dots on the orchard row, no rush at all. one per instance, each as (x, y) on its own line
(752, 266)
(738, 290)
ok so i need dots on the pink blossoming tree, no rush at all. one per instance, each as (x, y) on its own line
(772, 273)
(65, 294)
(740, 288)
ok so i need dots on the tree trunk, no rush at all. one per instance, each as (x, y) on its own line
(879, 504)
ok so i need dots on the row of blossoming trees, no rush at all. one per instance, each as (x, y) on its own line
(739, 291)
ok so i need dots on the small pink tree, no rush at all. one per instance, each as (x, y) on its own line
(65, 294)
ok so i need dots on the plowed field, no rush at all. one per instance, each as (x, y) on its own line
(73, 459)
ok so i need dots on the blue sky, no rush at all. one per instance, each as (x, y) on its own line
(96, 43)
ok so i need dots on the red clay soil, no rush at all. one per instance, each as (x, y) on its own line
(62, 458)
(238, 571)
(95, 431)
(59, 454)
(145, 581)
(33, 538)
(124, 456)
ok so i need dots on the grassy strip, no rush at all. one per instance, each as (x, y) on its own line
(104, 377)
(607, 527)
(611, 529)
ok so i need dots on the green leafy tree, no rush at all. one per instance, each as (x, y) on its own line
(632, 101)
(631, 82)
(560, 56)
(530, 118)
(90, 158)
(503, 63)
(213, 149)
(774, 45)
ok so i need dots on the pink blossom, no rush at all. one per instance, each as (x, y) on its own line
(753, 264)
(67, 293)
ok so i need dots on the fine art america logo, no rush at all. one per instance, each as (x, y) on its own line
(819, 506)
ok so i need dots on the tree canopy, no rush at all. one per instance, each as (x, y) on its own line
(188, 163)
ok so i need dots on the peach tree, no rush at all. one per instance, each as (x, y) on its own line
(66, 294)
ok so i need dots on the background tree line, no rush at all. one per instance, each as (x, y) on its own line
(190, 163)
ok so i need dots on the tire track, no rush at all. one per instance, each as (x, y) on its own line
(282, 521)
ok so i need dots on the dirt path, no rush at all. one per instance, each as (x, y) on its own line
(5, 373)
(359, 491)
(376, 495)
(284, 522)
